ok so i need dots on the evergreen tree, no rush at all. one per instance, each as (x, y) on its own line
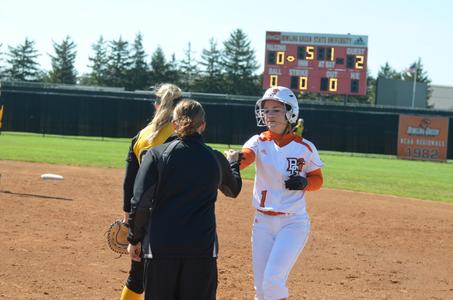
(2, 69)
(98, 66)
(211, 80)
(22, 62)
(371, 89)
(138, 74)
(368, 98)
(188, 69)
(388, 72)
(160, 69)
(240, 65)
(63, 70)
(173, 75)
(118, 63)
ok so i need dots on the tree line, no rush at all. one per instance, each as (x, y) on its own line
(228, 68)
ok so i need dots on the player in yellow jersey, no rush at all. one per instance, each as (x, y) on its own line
(157, 132)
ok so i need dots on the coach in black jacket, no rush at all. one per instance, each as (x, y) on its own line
(172, 220)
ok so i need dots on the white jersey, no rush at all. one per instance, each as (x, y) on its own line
(274, 165)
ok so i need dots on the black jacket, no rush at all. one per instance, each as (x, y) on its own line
(178, 220)
(132, 165)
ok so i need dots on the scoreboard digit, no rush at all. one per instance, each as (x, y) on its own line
(316, 63)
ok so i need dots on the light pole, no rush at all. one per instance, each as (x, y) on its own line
(413, 69)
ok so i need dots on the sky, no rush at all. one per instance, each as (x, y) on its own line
(399, 31)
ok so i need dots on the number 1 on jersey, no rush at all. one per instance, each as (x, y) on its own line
(263, 198)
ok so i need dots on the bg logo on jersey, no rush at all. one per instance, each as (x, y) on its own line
(295, 165)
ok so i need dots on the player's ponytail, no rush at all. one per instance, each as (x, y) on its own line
(168, 96)
(188, 116)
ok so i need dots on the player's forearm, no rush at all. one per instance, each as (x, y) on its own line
(141, 202)
(315, 180)
(139, 215)
(138, 221)
(231, 180)
(128, 184)
(248, 157)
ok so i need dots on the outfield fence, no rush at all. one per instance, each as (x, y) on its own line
(114, 112)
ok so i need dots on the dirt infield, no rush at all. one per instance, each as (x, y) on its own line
(362, 246)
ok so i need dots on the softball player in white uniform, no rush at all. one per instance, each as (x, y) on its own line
(286, 167)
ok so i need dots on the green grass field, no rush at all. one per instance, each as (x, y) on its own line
(368, 173)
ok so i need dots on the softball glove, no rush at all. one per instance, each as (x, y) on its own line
(117, 237)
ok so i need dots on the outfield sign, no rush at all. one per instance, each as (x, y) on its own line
(423, 137)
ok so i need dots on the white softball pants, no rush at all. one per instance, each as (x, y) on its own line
(277, 241)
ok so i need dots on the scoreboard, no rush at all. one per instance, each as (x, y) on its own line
(316, 63)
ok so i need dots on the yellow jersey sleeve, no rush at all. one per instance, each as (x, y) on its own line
(143, 143)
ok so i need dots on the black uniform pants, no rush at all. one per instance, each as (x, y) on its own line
(135, 279)
(181, 278)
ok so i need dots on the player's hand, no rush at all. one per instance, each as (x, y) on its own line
(232, 155)
(296, 182)
(134, 251)
(126, 218)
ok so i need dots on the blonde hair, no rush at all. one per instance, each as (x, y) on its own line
(168, 95)
(188, 116)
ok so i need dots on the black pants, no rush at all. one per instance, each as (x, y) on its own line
(135, 279)
(181, 279)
